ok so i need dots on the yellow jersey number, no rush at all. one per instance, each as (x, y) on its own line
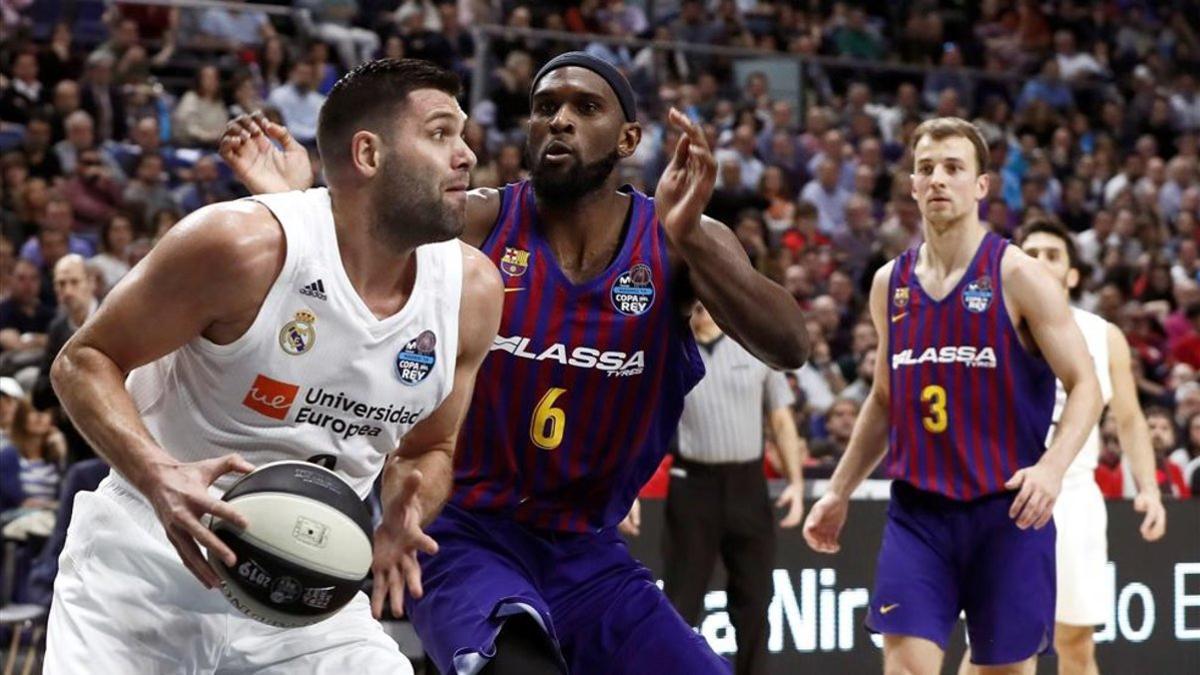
(935, 419)
(548, 423)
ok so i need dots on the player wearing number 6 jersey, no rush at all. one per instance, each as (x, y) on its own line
(974, 334)
(584, 386)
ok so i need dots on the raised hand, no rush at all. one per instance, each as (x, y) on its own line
(179, 495)
(687, 183)
(249, 147)
(398, 539)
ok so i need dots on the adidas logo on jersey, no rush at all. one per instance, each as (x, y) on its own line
(314, 290)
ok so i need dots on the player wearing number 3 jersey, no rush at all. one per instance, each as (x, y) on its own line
(582, 390)
(975, 335)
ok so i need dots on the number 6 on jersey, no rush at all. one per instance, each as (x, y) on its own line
(548, 423)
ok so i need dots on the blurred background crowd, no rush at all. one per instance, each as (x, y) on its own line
(110, 113)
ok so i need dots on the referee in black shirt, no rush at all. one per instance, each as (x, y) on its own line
(717, 502)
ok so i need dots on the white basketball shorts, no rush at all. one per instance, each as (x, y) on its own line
(1085, 593)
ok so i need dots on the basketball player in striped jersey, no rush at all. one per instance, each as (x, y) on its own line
(961, 407)
(1085, 593)
(344, 324)
(584, 387)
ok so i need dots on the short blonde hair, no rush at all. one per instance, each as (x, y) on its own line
(939, 128)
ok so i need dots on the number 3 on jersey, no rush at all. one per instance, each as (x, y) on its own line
(548, 423)
(935, 419)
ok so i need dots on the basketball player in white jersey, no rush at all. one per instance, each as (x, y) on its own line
(1085, 593)
(346, 324)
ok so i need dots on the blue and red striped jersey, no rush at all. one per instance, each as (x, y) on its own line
(575, 405)
(969, 404)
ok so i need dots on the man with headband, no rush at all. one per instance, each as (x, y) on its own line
(573, 410)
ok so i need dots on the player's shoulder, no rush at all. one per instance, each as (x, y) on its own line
(243, 235)
(488, 197)
(880, 282)
(479, 273)
(239, 227)
(482, 289)
(1083, 316)
(1018, 270)
(1118, 345)
(1094, 327)
(1014, 260)
(638, 194)
(482, 302)
(882, 277)
(483, 210)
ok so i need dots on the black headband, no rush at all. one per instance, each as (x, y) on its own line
(611, 75)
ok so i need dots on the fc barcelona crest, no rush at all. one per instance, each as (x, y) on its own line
(977, 296)
(900, 297)
(515, 261)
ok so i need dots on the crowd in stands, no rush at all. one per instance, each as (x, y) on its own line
(110, 114)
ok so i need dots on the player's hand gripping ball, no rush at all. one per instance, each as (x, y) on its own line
(306, 551)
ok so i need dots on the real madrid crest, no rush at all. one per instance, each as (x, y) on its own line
(977, 296)
(900, 297)
(514, 262)
(416, 360)
(633, 291)
(298, 335)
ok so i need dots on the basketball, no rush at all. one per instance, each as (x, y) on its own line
(306, 551)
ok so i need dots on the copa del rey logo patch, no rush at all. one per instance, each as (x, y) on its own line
(977, 296)
(416, 360)
(633, 290)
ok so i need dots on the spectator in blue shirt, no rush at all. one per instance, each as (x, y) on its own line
(1048, 86)
(299, 102)
(58, 216)
(234, 28)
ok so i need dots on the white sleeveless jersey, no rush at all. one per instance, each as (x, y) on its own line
(1095, 334)
(316, 373)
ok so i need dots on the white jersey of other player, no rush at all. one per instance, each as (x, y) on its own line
(317, 373)
(1095, 334)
